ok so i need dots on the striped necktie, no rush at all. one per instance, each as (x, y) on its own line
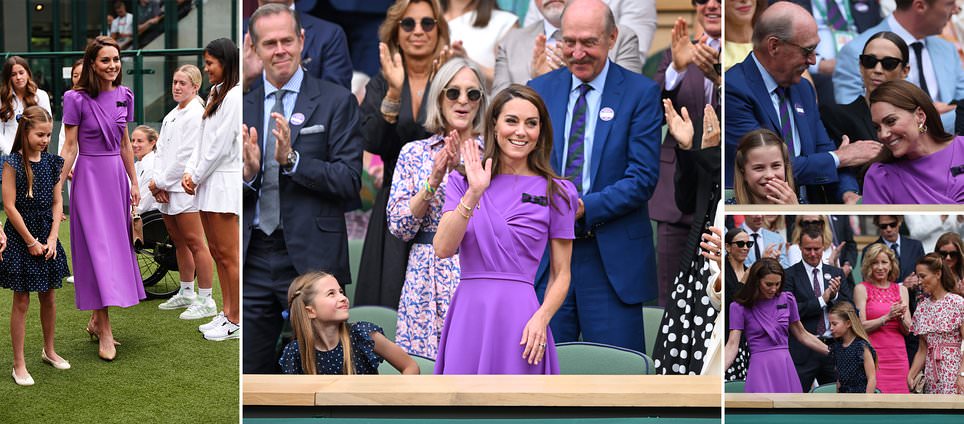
(786, 130)
(577, 134)
(835, 18)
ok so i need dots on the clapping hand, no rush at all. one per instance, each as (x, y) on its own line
(681, 47)
(706, 58)
(392, 68)
(833, 286)
(282, 137)
(442, 162)
(679, 124)
(478, 175)
(773, 251)
(251, 152)
(711, 128)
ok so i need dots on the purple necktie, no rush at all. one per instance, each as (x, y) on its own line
(835, 17)
(577, 134)
(821, 327)
(786, 130)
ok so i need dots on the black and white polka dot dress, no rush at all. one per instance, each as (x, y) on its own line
(19, 270)
(365, 359)
(684, 334)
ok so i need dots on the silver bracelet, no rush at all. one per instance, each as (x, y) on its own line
(35, 242)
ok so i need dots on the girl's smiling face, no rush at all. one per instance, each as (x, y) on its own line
(330, 303)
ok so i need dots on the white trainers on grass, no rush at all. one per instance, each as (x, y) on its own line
(178, 301)
(227, 330)
(202, 307)
(216, 322)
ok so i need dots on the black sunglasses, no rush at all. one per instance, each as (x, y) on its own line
(741, 244)
(452, 93)
(408, 24)
(949, 253)
(886, 225)
(700, 2)
(811, 223)
(889, 63)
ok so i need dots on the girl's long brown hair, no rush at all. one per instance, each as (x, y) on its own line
(88, 81)
(32, 116)
(7, 91)
(846, 312)
(302, 293)
(752, 140)
(538, 159)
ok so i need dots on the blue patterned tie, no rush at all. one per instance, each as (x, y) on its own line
(577, 134)
(835, 17)
(786, 130)
(269, 201)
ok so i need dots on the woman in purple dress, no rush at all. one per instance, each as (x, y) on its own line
(922, 162)
(768, 315)
(104, 187)
(500, 217)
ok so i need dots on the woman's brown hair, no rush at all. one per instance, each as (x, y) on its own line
(749, 294)
(7, 92)
(88, 81)
(538, 159)
(388, 31)
(302, 293)
(935, 264)
(32, 116)
(908, 97)
(955, 239)
(752, 140)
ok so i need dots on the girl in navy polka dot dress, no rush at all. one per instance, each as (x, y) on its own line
(325, 342)
(855, 358)
(34, 260)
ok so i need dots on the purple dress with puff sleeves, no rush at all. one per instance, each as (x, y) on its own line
(500, 253)
(105, 270)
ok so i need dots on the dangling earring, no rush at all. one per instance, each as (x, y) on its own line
(921, 127)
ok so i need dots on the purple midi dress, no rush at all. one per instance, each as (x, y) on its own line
(500, 253)
(105, 270)
(767, 329)
(937, 178)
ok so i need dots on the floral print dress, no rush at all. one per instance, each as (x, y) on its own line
(430, 281)
(939, 323)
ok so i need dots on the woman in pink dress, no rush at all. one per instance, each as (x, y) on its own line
(939, 322)
(882, 305)
(104, 186)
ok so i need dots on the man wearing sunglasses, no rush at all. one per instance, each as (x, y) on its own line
(687, 77)
(540, 42)
(765, 91)
(935, 66)
(606, 123)
(302, 171)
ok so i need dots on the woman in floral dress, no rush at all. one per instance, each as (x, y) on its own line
(939, 322)
(417, 195)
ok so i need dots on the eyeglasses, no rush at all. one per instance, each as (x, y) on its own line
(452, 93)
(741, 244)
(886, 225)
(408, 24)
(807, 51)
(811, 223)
(700, 2)
(949, 253)
(889, 63)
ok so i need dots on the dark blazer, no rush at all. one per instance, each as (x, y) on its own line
(326, 182)
(910, 252)
(688, 93)
(748, 107)
(798, 282)
(624, 169)
(325, 53)
(866, 13)
(852, 120)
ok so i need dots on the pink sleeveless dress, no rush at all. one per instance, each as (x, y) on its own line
(887, 340)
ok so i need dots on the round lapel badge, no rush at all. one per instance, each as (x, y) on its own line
(297, 119)
(607, 114)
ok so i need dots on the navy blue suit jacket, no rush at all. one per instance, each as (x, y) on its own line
(748, 107)
(624, 169)
(325, 184)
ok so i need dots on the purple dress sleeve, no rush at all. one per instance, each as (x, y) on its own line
(736, 317)
(875, 185)
(792, 302)
(129, 99)
(562, 213)
(72, 107)
(454, 190)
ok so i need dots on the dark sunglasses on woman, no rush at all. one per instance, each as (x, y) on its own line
(453, 94)
(815, 223)
(741, 244)
(408, 24)
(949, 253)
(889, 63)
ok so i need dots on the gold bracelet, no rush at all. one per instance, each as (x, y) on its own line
(463, 214)
(468, 211)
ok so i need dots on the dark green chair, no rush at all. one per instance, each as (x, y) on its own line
(652, 317)
(386, 318)
(426, 366)
(585, 358)
(735, 386)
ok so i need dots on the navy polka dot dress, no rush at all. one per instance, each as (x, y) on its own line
(330, 362)
(850, 365)
(20, 271)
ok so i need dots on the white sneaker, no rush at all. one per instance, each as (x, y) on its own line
(202, 307)
(227, 330)
(216, 322)
(178, 301)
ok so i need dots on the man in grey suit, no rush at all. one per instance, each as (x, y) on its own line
(538, 42)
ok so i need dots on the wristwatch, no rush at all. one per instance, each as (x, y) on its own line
(292, 159)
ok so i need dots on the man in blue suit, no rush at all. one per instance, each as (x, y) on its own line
(324, 55)
(918, 23)
(767, 86)
(606, 126)
(302, 171)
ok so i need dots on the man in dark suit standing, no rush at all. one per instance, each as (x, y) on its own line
(606, 127)
(817, 287)
(688, 78)
(302, 171)
(765, 91)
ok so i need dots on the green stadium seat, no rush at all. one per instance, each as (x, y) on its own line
(426, 366)
(386, 318)
(584, 358)
(735, 386)
(652, 317)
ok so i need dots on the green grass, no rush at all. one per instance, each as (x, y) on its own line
(164, 372)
